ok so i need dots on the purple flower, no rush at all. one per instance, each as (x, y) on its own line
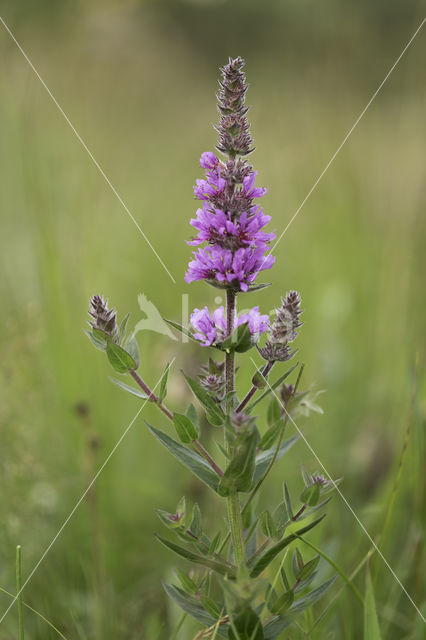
(239, 268)
(211, 329)
(229, 220)
(249, 189)
(214, 183)
(209, 161)
(215, 226)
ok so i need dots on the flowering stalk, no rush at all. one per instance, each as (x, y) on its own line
(232, 248)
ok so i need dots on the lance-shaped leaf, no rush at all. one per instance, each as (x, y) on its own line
(190, 459)
(187, 583)
(274, 627)
(267, 525)
(132, 347)
(189, 604)
(270, 436)
(163, 384)
(238, 475)
(264, 458)
(274, 412)
(311, 495)
(308, 569)
(123, 326)
(257, 287)
(271, 388)
(220, 567)
(97, 341)
(119, 358)
(214, 413)
(180, 328)
(266, 558)
(313, 596)
(185, 429)
(196, 526)
(371, 624)
(281, 604)
(133, 390)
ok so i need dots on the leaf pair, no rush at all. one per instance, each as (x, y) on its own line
(238, 476)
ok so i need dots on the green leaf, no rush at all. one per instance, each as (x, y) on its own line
(188, 585)
(283, 603)
(215, 565)
(215, 543)
(238, 475)
(274, 627)
(308, 569)
(264, 458)
(240, 340)
(133, 390)
(123, 327)
(310, 495)
(190, 459)
(258, 380)
(258, 287)
(266, 558)
(312, 597)
(214, 413)
(190, 605)
(196, 526)
(186, 431)
(269, 437)
(288, 501)
(101, 336)
(210, 605)
(274, 412)
(297, 562)
(371, 623)
(180, 328)
(284, 579)
(280, 515)
(192, 414)
(132, 348)
(120, 359)
(268, 525)
(181, 507)
(163, 384)
(246, 625)
(271, 388)
(99, 344)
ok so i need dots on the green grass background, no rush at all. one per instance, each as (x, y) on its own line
(137, 80)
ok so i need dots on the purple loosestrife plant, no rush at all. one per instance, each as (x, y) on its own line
(232, 590)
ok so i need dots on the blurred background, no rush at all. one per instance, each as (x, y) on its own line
(138, 79)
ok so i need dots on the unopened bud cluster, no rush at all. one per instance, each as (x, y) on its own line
(104, 319)
(283, 330)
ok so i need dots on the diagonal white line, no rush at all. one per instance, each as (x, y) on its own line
(86, 148)
(349, 133)
(80, 500)
(344, 500)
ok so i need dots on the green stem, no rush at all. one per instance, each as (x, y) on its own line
(266, 369)
(233, 501)
(277, 448)
(136, 377)
(230, 355)
(236, 526)
(18, 592)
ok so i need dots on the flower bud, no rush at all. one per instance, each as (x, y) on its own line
(104, 319)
